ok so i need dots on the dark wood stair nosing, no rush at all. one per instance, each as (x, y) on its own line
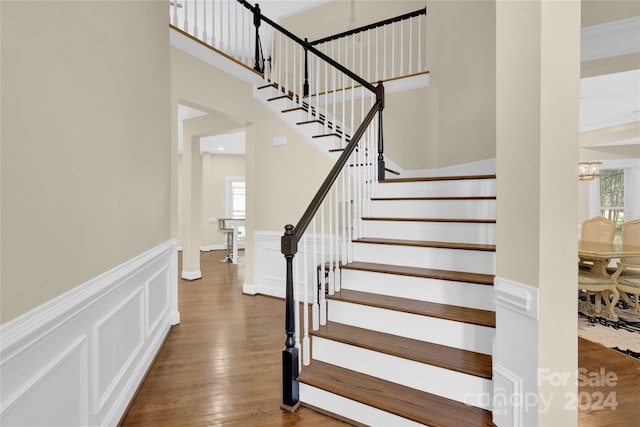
(427, 273)
(428, 353)
(438, 178)
(416, 405)
(453, 198)
(472, 316)
(427, 244)
(456, 220)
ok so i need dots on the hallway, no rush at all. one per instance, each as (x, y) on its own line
(221, 365)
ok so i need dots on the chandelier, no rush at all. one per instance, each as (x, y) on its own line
(588, 170)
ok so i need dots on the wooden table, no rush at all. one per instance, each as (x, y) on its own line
(601, 254)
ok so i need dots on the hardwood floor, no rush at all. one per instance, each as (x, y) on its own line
(221, 365)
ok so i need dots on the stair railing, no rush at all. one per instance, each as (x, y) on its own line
(343, 108)
(387, 49)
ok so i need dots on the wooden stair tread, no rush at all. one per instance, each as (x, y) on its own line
(423, 308)
(416, 405)
(275, 98)
(439, 178)
(326, 135)
(273, 85)
(434, 198)
(429, 273)
(455, 359)
(427, 244)
(471, 220)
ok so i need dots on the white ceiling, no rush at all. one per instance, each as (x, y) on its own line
(609, 100)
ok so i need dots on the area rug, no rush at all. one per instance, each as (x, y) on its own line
(622, 335)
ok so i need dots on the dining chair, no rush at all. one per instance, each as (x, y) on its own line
(627, 276)
(597, 229)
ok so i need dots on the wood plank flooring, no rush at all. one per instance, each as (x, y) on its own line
(221, 365)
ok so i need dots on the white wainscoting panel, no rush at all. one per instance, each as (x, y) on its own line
(79, 358)
(515, 354)
(269, 272)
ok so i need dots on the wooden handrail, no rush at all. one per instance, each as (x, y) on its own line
(368, 27)
(307, 46)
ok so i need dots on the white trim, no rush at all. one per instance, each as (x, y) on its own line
(507, 389)
(611, 39)
(191, 275)
(480, 167)
(211, 57)
(516, 297)
(212, 248)
(73, 337)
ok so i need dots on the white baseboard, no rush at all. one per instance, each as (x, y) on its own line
(213, 248)
(191, 275)
(79, 358)
(481, 167)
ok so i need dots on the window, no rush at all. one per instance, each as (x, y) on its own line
(612, 196)
(238, 191)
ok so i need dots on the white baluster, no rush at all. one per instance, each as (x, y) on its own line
(369, 56)
(186, 16)
(213, 24)
(317, 86)
(343, 139)
(420, 43)
(315, 309)
(175, 13)
(306, 343)
(401, 48)
(323, 300)
(336, 238)
(285, 85)
(228, 43)
(326, 87)
(384, 52)
(195, 19)
(237, 28)
(279, 61)
(296, 307)
(377, 54)
(410, 46)
(393, 50)
(204, 21)
(334, 88)
(331, 266)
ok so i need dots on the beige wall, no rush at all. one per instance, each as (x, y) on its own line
(452, 121)
(85, 143)
(280, 180)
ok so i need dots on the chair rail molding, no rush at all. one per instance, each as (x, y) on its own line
(79, 358)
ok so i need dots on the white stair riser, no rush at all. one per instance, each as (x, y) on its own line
(458, 232)
(440, 331)
(414, 256)
(472, 295)
(464, 187)
(351, 409)
(478, 209)
(432, 379)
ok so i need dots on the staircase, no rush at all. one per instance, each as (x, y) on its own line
(409, 336)
(404, 316)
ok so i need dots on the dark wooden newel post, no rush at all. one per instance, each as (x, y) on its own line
(256, 23)
(305, 86)
(380, 97)
(290, 388)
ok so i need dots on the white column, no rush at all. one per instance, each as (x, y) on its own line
(192, 199)
(537, 111)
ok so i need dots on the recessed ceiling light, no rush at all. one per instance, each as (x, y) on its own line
(220, 148)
